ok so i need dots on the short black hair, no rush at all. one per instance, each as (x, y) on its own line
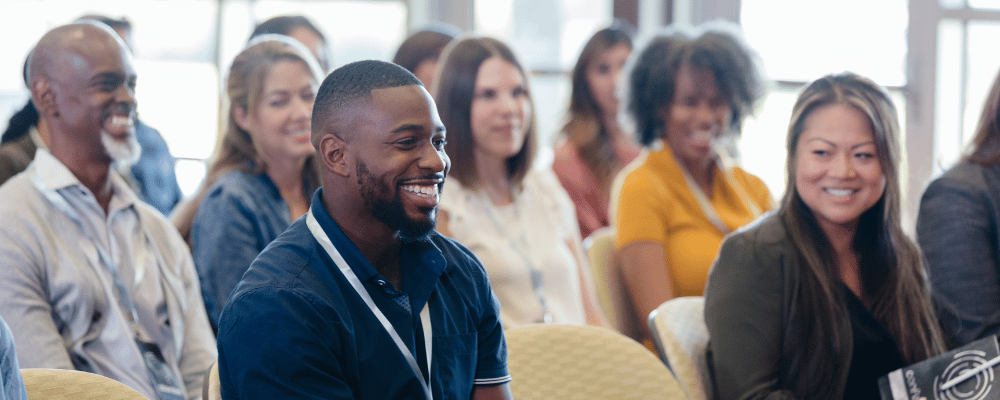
(352, 84)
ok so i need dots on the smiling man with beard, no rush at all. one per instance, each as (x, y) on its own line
(361, 298)
(94, 279)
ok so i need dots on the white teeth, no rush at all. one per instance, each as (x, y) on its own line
(119, 120)
(704, 136)
(426, 191)
(840, 192)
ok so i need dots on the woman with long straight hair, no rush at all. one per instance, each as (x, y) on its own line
(263, 173)
(827, 294)
(517, 220)
(593, 146)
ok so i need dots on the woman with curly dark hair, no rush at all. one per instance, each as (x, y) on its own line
(689, 94)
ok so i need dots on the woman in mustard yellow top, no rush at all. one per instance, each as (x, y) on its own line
(689, 93)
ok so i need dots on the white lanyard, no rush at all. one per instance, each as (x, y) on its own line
(704, 203)
(124, 297)
(345, 269)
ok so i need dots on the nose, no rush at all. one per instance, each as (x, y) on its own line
(126, 95)
(706, 116)
(843, 167)
(434, 160)
(509, 105)
(301, 108)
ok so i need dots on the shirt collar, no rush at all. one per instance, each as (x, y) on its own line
(422, 262)
(54, 175)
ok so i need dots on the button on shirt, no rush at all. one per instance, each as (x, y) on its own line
(295, 327)
(61, 252)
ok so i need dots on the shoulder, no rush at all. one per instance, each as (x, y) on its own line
(751, 182)
(964, 176)
(30, 211)
(237, 186)
(285, 261)
(765, 237)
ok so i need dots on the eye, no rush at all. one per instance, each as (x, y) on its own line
(440, 143)
(603, 69)
(486, 94)
(519, 92)
(309, 95)
(865, 156)
(406, 143)
(821, 152)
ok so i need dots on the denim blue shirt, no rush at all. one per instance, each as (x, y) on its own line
(295, 328)
(155, 178)
(10, 373)
(241, 213)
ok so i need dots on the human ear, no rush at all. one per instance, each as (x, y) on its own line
(333, 155)
(242, 118)
(44, 98)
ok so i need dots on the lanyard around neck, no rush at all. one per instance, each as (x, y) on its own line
(425, 319)
(124, 296)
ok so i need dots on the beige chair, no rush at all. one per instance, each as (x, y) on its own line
(611, 292)
(554, 362)
(679, 332)
(62, 384)
(212, 389)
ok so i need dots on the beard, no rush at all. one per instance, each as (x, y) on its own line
(122, 152)
(386, 205)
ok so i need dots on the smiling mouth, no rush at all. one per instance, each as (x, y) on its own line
(840, 192)
(425, 191)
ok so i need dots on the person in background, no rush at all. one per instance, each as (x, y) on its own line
(671, 208)
(420, 52)
(827, 294)
(957, 228)
(94, 279)
(11, 383)
(301, 29)
(263, 172)
(517, 220)
(361, 299)
(594, 147)
(153, 176)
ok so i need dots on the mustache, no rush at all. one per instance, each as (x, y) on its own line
(120, 108)
(438, 175)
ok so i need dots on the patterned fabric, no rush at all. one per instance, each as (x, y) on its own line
(554, 362)
(681, 338)
(61, 384)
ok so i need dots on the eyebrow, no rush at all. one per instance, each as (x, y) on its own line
(872, 142)
(101, 76)
(407, 127)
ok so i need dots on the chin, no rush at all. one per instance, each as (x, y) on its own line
(121, 151)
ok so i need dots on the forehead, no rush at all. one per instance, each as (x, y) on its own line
(88, 60)
(496, 70)
(391, 108)
(695, 81)
(838, 123)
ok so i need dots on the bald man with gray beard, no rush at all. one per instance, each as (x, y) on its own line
(93, 279)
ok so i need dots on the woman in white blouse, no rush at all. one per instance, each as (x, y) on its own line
(517, 220)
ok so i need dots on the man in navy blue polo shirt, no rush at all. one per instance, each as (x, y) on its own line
(361, 298)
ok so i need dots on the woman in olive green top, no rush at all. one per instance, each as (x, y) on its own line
(795, 299)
